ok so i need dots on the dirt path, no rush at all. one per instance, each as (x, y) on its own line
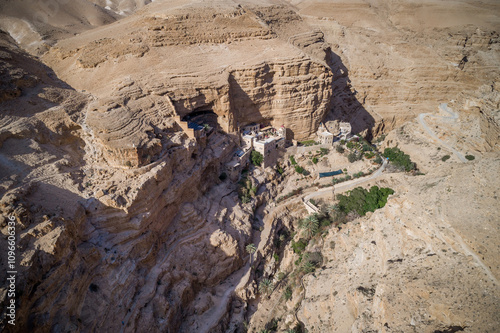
(454, 116)
(346, 185)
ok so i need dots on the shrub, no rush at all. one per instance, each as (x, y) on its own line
(279, 169)
(276, 257)
(299, 246)
(350, 145)
(362, 201)
(266, 286)
(287, 294)
(352, 157)
(470, 157)
(292, 159)
(256, 158)
(324, 151)
(445, 158)
(340, 149)
(366, 147)
(399, 159)
(315, 160)
(378, 159)
(299, 169)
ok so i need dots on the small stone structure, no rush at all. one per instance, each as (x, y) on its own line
(345, 130)
(342, 131)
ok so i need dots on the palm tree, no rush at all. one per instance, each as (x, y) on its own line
(266, 286)
(251, 248)
(310, 225)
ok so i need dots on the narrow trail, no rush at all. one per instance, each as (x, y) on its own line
(454, 116)
(346, 185)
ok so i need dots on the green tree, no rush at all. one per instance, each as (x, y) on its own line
(256, 158)
(251, 248)
(399, 159)
(352, 157)
(315, 160)
(266, 286)
(310, 225)
(470, 157)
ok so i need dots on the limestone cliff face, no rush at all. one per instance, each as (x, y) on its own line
(104, 246)
(227, 61)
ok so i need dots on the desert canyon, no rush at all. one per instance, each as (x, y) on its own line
(138, 209)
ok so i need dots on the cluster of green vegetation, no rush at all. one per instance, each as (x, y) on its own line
(369, 155)
(308, 143)
(445, 158)
(340, 149)
(315, 160)
(246, 190)
(266, 286)
(361, 201)
(292, 160)
(299, 169)
(380, 138)
(256, 158)
(341, 179)
(399, 159)
(279, 169)
(470, 157)
(353, 157)
(299, 246)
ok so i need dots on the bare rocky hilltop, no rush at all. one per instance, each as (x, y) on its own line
(123, 163)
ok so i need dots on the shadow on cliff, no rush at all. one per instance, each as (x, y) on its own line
(344, 104)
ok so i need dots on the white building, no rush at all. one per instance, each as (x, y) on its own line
(324, 137)
(266, 141)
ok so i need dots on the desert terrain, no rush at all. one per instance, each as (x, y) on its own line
(130, 217)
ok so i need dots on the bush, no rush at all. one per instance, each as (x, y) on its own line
(324, 151)
(378, 159)
(287, 294)
(362, 201)
(256, 158)
(340, 149)
(279, 169)
(276, 257)
(445, 158)
(366, 147)
(350, 145)
(352, 157)
(292, 159)
(399, 159)
(470, 157)
(299, 246)
(315, 160)
(299, 169)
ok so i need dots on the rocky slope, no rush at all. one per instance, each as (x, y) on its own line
(125, 223)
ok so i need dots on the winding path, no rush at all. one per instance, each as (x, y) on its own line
(454, 116)
(342, 187)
